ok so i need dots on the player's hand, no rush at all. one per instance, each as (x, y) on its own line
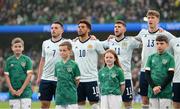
(161, 30)
(110, 37)
(38, 81)
(157, 90)
(93, 37)
(13, 92)
(19, 92)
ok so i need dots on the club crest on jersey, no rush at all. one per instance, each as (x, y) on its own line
(113, 75)
(89, 46)
(69, 69)
(178, 45)
(164, 61)
(124, 44)
(23, 64)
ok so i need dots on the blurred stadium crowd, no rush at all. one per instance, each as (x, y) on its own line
(97, 11)
(70, 11)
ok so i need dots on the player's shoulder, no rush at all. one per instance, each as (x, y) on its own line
(102, 69)
(26, 57)
(170, 55)
(72, 61)
(117, 68)
(10, 58)
(144, 31)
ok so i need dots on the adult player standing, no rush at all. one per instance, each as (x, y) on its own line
(175, 47)
(50, 55)
(86, 55)
(124, 47)
(148, 37)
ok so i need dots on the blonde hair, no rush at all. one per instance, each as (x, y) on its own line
(17, 40)
(153, 13)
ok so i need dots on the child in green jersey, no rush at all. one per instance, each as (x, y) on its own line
(159, 73)
(112, 83)
(68, 76)
(18, 72)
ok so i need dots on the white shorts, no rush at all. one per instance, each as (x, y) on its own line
(156, 103)
(111, 102)
(72, 106)
(23, 103)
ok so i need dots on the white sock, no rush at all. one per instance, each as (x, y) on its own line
(95, 106)
(81, 107)
(145, 107)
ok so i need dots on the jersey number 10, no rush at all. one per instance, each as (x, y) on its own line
(82, 53)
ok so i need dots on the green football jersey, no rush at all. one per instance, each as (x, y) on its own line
(110, 80)
(159, 65)
(66, 73)
(17, 70)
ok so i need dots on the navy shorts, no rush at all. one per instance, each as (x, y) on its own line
(88, 90)
(47, 90)
(176, 90)
(127, 95)
(143, 85)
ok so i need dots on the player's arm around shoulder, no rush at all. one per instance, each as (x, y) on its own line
(121, 79)
(40, 70)
(76, 72)
(99, 47)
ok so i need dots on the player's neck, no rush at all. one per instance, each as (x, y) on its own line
(18, 55)
(83, 38)
(54, 39)
(65, 59)
(118, 38)
(110, 66)
(153, 29)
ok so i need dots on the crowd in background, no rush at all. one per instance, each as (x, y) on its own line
(70, 11)
(96, 11)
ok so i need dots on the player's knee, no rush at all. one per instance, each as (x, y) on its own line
(128, 104)
(145, 100)
(45, 104)
(81, 103)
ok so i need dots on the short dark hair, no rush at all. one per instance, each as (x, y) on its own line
(162, 38)
(153, 13)
(17, 40)
(85, 22)
(121, 22)
(66, 43)
(57, 22)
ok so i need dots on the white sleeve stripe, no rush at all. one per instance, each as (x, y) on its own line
(78, 77)
(7, 73)
(147, 68)
(29, 71)
(171, 69)
(122, 83)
